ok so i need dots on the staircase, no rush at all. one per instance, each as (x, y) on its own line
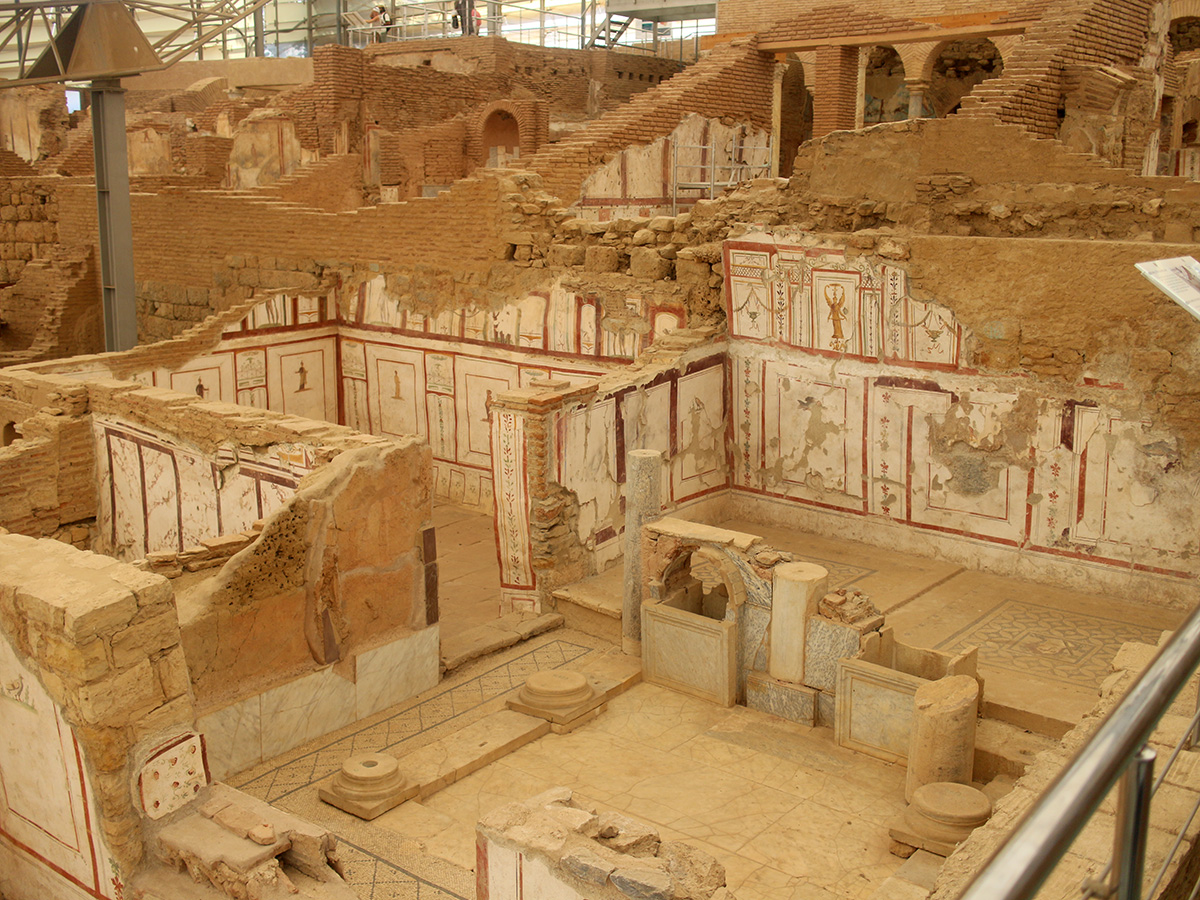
(609, 31)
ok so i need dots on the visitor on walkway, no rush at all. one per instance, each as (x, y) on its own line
(380, 19)
(467, 16)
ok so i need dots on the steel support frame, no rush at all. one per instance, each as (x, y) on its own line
(115, 214)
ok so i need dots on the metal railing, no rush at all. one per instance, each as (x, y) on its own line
(1117, 751)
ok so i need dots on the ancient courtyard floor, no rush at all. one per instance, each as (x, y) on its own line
(791, 815)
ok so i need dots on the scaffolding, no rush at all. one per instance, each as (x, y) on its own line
(708, 177)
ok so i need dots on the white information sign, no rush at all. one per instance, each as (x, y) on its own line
(1178, 278)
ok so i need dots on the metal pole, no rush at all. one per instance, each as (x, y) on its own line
(260, 27)
(1133, 826)
(115, 214)
(1193, 738)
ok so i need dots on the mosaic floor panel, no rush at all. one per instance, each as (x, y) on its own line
(1047, 642)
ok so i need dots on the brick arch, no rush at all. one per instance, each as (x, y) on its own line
(1185, 9)
(934, 50)
(866, 51)
(936, 94)
(533, 126)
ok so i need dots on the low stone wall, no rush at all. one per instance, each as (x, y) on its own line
(552, 847)
(93, 681)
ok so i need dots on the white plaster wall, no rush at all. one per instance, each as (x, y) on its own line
(641, 181)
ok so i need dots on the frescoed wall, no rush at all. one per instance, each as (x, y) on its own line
(566, 442)
(851, 395)
(157, 494)
(360, 358)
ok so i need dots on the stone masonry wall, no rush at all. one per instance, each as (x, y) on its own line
(47, 476)
(103, 640)
(28, 223)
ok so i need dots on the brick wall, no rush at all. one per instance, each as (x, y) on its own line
(1070, 35)
(734, 80)
(561, 77)
(835, 90)
(744, 16)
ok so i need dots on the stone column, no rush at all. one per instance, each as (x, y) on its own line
(796, 589)
(916, 98)
(942, 746)
(777, 115)
(860, 94)
(643, 503)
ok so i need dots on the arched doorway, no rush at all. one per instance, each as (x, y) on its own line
(796, 120)
(501, 139)
(957, 68)
(885, 97)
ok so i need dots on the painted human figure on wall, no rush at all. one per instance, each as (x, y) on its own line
(201, 390)
(303, 373)
(835, 299)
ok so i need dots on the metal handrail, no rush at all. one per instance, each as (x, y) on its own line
(1026, 858)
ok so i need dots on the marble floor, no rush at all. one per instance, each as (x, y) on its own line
(790, 815)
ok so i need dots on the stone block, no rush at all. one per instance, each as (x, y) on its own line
(149, 588)
(626, 835)
(825, 709)
(86, 662)
(1177, 232)
(121, 699)
(559, 696)
(781, 698)
(647, 262)
(588, 867)
(643, 883)
(566, 255)
(826, 643)
(602, 259)
(875, 709)
(694, 872)
(104, 612)
(173, 673)
(145, 638)
(368, 785)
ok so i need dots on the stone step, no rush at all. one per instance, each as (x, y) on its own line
(1035, 705)
(593, 605)
(435, 766)
(1003, 749)
(492, 636)
(914, 880)
(456, 756)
